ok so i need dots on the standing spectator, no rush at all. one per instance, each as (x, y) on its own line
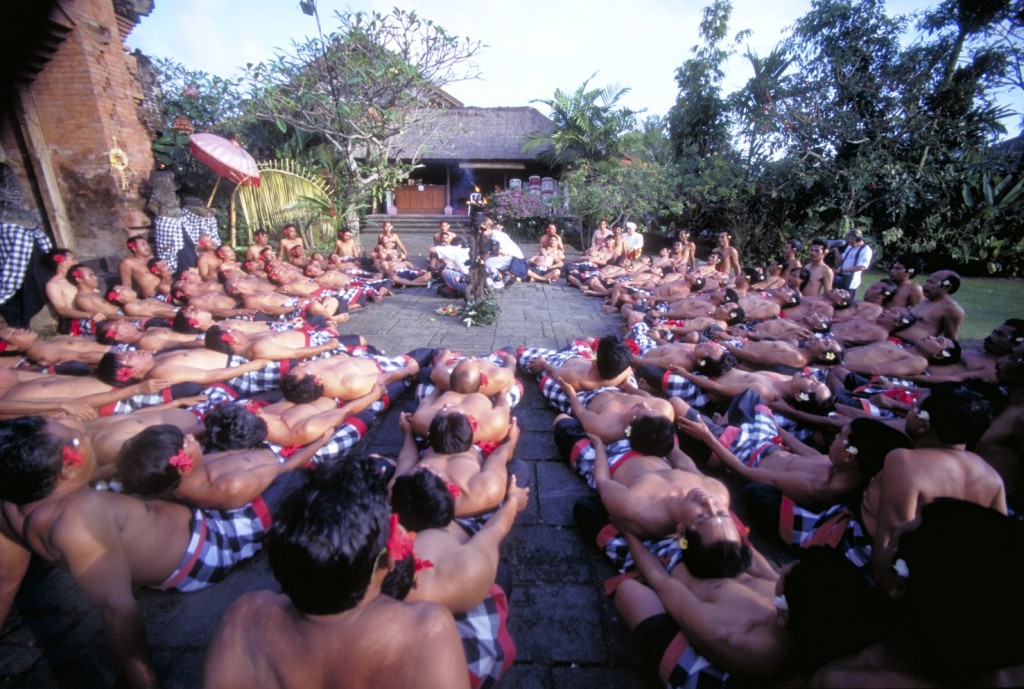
(632, 242)
(854, 260)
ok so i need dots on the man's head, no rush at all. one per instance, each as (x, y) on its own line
(301, 387)
(825, 350)
(290, 231)
(712, 544)
(140, 247)
(896, 319)
(817, 250)
(939, 350)
(18, 339)
(329, 536)
(865, 442)
(158, 266)
(729, 312)
(855, 237)
(82, 275)
(961, 562)
(35, 452)
(954, 413)
(231, 426)
(422, 500)
(120, 295)
(222, 339)
(613, 357)
(226, 253)
(121, 369)
(55, 258)
(808, 394)
(794, 246)
(153, 461)
(261, 236)
(711, 360)
(465, 377)
(111, 332)
(1005, 337)
(651, 433)
(881, 292)
(838, 298)
(724, 238)
(941, 284)
(451, 431)
(906, 267)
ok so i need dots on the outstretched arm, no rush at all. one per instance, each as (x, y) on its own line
(486, 489)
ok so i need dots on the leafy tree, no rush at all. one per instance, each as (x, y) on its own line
(354, 90)
(645, 192)
(588, 126)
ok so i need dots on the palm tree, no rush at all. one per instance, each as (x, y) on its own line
(588, 126)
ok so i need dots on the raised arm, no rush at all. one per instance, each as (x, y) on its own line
(486, 489)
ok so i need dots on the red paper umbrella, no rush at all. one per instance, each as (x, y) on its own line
(226, 158)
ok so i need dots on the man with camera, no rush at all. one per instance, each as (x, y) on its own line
(853, 260)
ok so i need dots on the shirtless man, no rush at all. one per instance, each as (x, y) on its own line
(202, 366)
(490, 420)
(481, 481)
(802, 388)
(820, 275)
(388, 230)
(152, 339)
(135, 267)
(472, 374)
(261, 240)
(341, 377)
(289, 239)
(553, 241)
(209, 260)
(938, 314)
(902, 273)
(106, 435)
(463, 567)
(88, 297)
(790, 262)
(823, 351)
(109, 542)
(544, 266)
(608, 414)
(55, 350)
(345, 245)
(1002, 443)
(444, 234)
(270, 345)
(331, 626)
(941, 425)
(128, 301)
(980, 365)
(39, 393)
(730, 255)
(611, 367)
(159, 268)
(685, 257)
(888, 359)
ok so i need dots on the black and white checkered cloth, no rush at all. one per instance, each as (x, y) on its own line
(488, 646)
(169, 241)
(197, 226)
(16, 244)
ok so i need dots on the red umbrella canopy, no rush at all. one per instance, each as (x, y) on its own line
(226, 158)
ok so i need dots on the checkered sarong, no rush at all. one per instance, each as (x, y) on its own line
(577, 349)
(220, 540)
(674, 385)
(198, 226)
(639, 333)
(836, 527)
(169, 240)
(694, 671)
(488, 646)
(344, 439)
(267, 378)
(16, 243)
(751, 428)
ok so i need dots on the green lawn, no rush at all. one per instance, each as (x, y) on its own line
(987, 301)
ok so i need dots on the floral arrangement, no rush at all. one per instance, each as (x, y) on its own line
(447, 310)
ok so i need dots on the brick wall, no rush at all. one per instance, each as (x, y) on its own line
(87, 95)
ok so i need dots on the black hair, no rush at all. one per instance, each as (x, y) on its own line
(820, 241)
(261, 231)
(736, 315)
(964, 565)
(719, 560)
(957, 414)
(951, 282)
(50, 261)
(108, 368)
(328, 536)
(889, 289)
(814, 404)
(143, 464)
(231, 426)
(1017, 326)
(874, 439)
(805, 277)
(73, 274)
(912, 263)
(947, 356)
(831, 357)
(698, 284)
(301, 390)
(30, 460)
(712, 368)
(104, 333)
(450, 433)
(181, 325)
(422, 501)
(822, 589)
(652, 435)
(731, 296)
(212, 340)
(795, 243)
(613, 357)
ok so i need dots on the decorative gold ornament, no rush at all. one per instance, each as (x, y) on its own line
(119, 161)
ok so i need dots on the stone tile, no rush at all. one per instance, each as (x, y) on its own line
(557, 623)
(560, 489)
(547, 554)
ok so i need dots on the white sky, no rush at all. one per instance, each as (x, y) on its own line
(533, 47)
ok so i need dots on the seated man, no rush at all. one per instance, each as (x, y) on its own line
(134, 268)
(261, 241)
(331, 626)
(480, 481)
(88, 297)
(938, 314)
(109, 542)
(61, 294)
(444, 234)
(1002, 444)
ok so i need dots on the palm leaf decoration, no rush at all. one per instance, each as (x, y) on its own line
(287, 193)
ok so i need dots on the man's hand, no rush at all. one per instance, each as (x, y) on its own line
(538, 365)
(154, 385)
(516, 495)
(405, 422)
(79, 410)
(696, 429)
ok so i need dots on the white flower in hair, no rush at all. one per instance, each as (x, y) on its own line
(851, 450)
(900, 567)
(803, 397)
(781, 603)
(628, 432)
(923, 415)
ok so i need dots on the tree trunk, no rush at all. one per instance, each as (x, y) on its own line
(476, 280)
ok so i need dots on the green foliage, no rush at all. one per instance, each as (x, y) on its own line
(354, 90)
(483, 311)
(617, 191)
(588, 126)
